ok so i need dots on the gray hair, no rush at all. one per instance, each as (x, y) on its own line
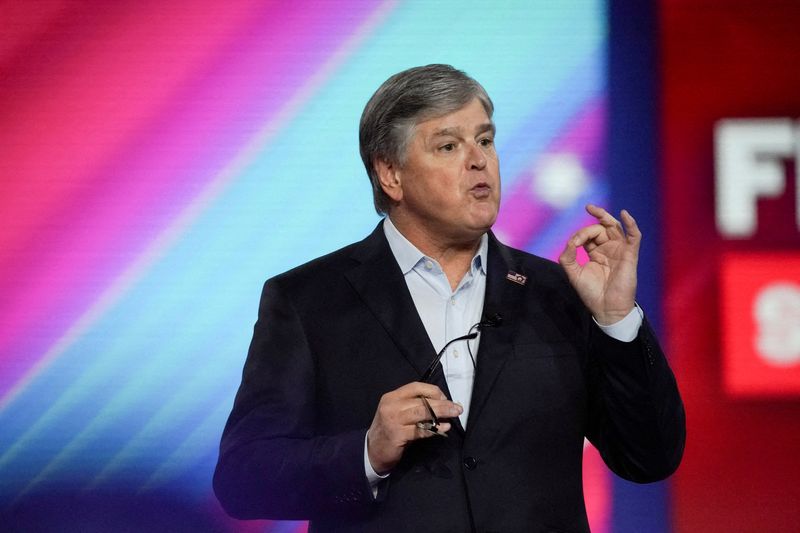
(403, 101)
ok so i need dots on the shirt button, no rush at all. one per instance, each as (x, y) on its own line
(428, 265)
(455, 354)
(453, 301)
(470, 463)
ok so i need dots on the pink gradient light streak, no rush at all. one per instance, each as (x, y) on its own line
(523, 214)
(145, 189)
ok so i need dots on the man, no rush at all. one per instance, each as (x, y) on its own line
(346, 417)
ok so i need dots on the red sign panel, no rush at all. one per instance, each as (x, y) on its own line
(760, 310)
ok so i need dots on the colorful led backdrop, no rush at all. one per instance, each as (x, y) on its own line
(159, 160)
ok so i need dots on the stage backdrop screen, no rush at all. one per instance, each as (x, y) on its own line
(160, 160)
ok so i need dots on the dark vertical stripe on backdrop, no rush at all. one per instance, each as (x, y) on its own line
(634, 168)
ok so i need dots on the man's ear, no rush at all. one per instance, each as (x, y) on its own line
(389, 177)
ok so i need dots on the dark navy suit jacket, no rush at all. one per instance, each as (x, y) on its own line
(334, 335)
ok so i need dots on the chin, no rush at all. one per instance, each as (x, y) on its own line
(481, 227)
(486, 221)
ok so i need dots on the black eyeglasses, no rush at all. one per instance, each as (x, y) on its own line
(432, 368)
(432, 425)
(491, 322)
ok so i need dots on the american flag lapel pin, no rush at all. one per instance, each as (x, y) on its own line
(516, 278)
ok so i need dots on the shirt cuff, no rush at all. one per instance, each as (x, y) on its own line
(372, 476)
(626, 329)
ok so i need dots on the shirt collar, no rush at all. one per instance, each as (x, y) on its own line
(408, 256)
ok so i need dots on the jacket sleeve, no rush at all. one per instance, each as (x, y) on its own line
(272, 463)
(637, 420)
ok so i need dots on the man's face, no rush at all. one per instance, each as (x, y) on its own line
(450, 182)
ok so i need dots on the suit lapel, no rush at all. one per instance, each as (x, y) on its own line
(379, 282)
(503, 297)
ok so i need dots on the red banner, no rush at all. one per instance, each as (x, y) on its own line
(731, 100)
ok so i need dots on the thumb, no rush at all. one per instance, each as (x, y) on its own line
(569, 259)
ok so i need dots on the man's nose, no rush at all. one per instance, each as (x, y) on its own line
(476, 159)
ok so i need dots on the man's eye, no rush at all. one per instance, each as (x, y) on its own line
(449, 147)
(486, 141)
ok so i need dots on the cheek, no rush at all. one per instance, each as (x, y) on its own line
(494, 166)
(428, 193)
(440, 184)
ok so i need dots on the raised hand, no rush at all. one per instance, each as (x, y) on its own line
(607, 282)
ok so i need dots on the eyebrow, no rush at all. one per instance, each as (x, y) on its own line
(455, 132)
(487, 126)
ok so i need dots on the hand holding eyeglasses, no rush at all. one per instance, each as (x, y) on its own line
(411, 412)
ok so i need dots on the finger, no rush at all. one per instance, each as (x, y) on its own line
(446, 408)
(631, 227)
(407, 413)
(416, 411)
(590, 247)
(569, 254)
(439, 431)
(596, 232)
(569, 260)
(428, 390)
(430, 410)
(605, 218)
(418, 388)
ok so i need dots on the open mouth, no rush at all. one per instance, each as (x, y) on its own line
(481, 190)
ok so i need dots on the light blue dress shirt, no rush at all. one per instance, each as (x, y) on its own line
(446, 313)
